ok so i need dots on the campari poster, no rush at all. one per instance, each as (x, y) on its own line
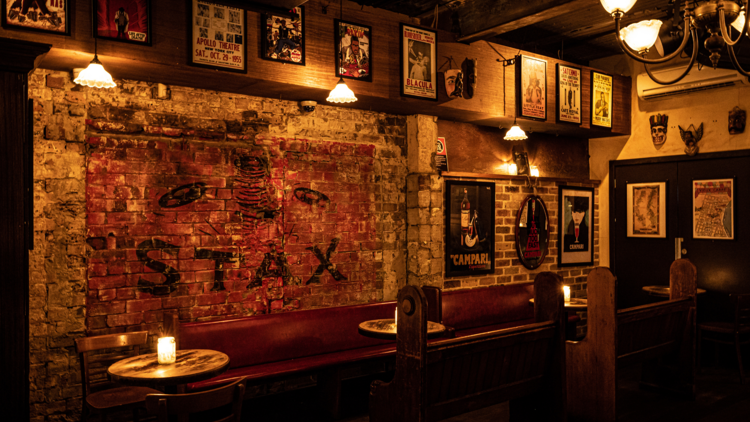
(470, 228)
(418, 62)
(219, 36)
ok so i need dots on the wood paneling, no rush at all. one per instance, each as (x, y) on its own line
(166, 62)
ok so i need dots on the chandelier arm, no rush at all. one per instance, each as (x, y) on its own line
(684, 73)
(634, 56)
(725, 32)
(736, 63)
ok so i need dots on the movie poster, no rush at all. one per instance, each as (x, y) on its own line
(37, 15)
(123, 20)
(568, 94)
(418, 62)
(470, 228)
(713, 209)
(353, 46)
(531, 80)
(283, 37)
(576, 228)
(601, 100)
(219, 36)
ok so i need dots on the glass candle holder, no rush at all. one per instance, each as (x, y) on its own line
(166, 350)
(566, 293)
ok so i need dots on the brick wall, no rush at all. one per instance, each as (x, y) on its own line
(207, 203)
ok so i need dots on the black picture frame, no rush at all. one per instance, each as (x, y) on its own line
(473, 255)
(595, 120)
(95, 15)
(568, 253)
(265, 35)
(191, 36)
(9, 23)
(432, 93)
(561, 87)
(527, 70)
(338, 49)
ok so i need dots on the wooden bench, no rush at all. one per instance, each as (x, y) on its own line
(443, 378)
(616, 339)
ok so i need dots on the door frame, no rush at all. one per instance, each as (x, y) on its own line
(615, 164)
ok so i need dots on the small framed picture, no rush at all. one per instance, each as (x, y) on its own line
(568, 94)
(647, 209)
(713, 209)
(37, 15)
(576, 242)
(601, 99)
(469, 228)
(531, 88)
(353, 44)
(283, 38)
(418, 62)
(219, 37)
(123, 20)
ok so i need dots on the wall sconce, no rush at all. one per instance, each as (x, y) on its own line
(534, 171)
(512, 169)
(166, 350)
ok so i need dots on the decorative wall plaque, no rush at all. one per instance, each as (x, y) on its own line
(532, 232)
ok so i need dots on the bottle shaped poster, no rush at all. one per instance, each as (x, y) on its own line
(465, 216)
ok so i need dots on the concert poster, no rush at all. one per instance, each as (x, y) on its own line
(219, 36)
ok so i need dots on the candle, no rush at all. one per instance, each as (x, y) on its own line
(534, 171)
(513, 169)
(566, 293)
(395, 317)
(166, 350)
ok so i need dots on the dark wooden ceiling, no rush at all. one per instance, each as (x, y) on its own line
(578, 31)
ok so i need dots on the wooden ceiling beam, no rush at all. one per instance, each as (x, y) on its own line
(488, 18)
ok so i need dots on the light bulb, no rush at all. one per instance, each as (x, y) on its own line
(513, 169)
(95, 76)
(515, 133)
(341, 93)
(642, 35)
(612, 6)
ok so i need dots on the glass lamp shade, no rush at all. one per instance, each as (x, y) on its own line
(341, 94)
(642, 35)
(515, 133)
(617, 5)
(739, 23)
(95, 76)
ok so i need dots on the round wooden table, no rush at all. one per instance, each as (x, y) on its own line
(663, 291)
(575, 304)
(191, 365)
(386, 329)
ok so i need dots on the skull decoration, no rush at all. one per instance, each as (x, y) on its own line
(658, 129)
(737, 121)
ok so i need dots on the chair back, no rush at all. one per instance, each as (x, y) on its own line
(742, 310)
(94, 374)
(164, 405)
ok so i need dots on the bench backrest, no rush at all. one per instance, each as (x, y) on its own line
(471, 308)
(277, 337)
(449, 377)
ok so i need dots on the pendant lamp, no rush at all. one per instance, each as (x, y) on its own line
(95, 76)
(515, 133)
(341, 92)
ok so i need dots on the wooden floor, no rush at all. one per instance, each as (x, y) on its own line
(721, 398)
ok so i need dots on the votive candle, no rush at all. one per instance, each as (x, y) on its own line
(166, 350)
(566, 293)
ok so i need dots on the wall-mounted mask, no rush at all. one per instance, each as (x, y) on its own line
(690, 137)
(521, 158)
(658, 129)
(454, 83)
(737, 121)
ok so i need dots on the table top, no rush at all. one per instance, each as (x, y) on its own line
(663, 290)
(386, 329)
(191, 365)
(575, 303)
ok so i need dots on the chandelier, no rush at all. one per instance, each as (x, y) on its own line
(712, 16)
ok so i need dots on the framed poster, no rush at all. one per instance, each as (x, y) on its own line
(123, 20)
(418, 62)
(713, 209)
(568, 94)
(39, 15)
(576, 234)
(219, 36)
(283, 38)
(647, 209)
(531, 88)
(601, 99)
(353, 44)
(469, 228)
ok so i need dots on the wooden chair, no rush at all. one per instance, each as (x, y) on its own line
(738, 329)
(182, 405)
(99, 394)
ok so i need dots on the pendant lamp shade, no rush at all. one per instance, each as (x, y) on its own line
(642, 35)
(341, 93)
(515, 133)
(95, 76)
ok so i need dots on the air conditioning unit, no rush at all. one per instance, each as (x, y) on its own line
(696, 80)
